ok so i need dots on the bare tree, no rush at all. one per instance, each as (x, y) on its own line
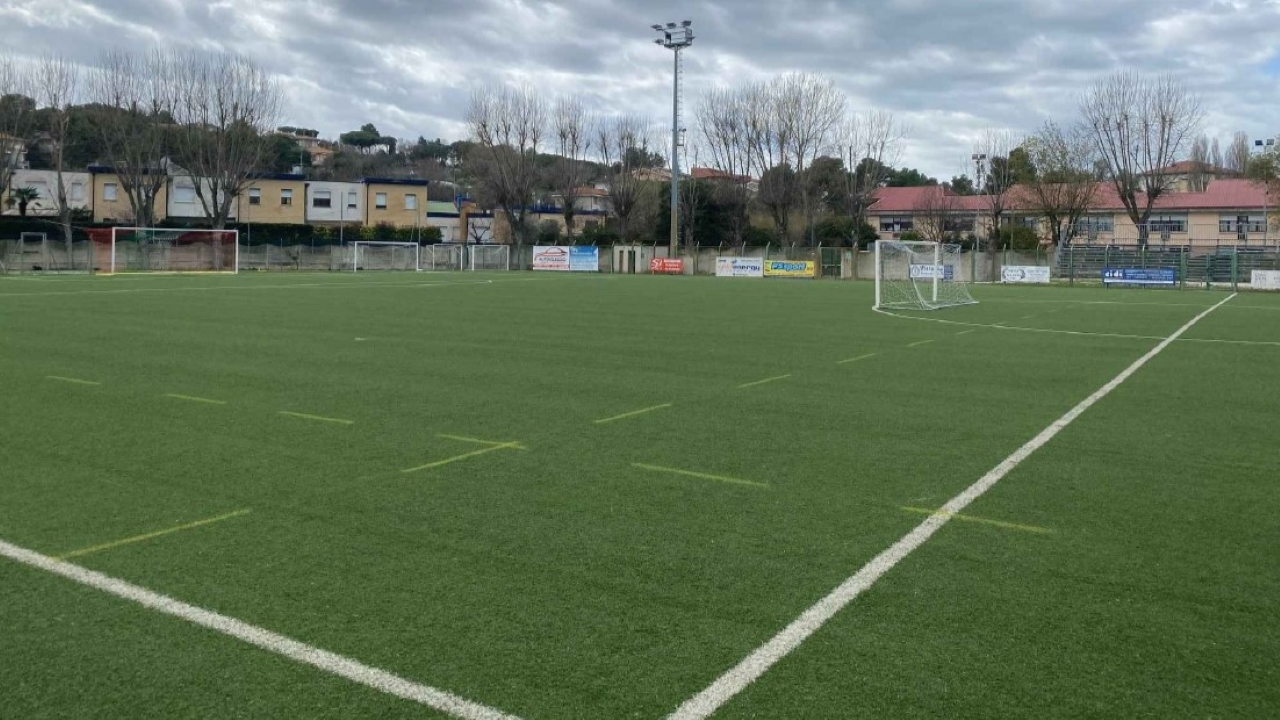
(623, 143)
(57, 82)
(1065, 185)
(573, 128)
(225, 108)
(872, 145)
(507, 125)
(934, 214)
(1215, 155)
(768, 141)
(808, 109)
(133, 96)
(997, 146)
(722, 127)
(17, 111)
(1198, 174)
(1140, 125)
(1237, 158)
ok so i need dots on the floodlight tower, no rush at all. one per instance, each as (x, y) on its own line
(675, 38)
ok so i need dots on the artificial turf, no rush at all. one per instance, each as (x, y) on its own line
(575, 575)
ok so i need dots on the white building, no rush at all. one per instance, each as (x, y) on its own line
(335, 202)
(45, 183)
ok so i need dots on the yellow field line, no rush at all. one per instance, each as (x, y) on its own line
(854, 360)
(633, 413)
(464, 456)
(305, 416)
(703, 476)
(922, 342)
(478, 441)
(192, 398)
(75, 381)
(984, 521)
(762, 382)
(151, 535)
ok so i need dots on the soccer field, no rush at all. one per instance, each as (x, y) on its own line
(408, 495)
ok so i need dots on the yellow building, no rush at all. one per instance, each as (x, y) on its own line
(273, 199)
(110, 201)
(401, 203)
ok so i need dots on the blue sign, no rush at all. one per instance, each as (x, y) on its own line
(1140, 276)
(584, 259)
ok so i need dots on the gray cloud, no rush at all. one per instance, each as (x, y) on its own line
(949, 69)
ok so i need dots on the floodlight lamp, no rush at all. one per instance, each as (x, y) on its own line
(671, 25)
(687, 23)
(657, 27)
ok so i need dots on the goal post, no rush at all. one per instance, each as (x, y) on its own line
(385, 255)
(445, 256)
(490, 257)
(174, 250)
(919, 275)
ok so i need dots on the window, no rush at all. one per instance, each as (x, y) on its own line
(109, 192)
(255, 196)
(1094, 224)
(959, 223)
(351, 199)
(1165, 224)
(380, 201)
(184, 194)
(410, 202)
(1242, 223)
(322, 199)
(77, 192)
(286, 196)
(896, 224)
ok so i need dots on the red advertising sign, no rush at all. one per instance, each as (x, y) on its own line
(667, 266)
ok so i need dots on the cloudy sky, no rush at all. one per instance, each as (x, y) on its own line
(948, 68)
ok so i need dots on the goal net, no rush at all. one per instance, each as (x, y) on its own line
(490, 257)
(919, 275)
(385, 256)
(444, 256)
(169, 250)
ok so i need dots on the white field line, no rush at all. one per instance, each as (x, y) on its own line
(1084, 333)
(295, 650)
(291, 286)
(762, 658)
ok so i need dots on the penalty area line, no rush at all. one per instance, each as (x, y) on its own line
(332, 663)
(756, 664)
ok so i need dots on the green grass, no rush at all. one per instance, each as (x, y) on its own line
(573, 575)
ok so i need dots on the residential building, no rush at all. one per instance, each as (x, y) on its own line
(445, 215)
(13, 152)
(586, 200)
(397, 202)
(110, 201)
(273, 199)
(332, 203)
(45, 183)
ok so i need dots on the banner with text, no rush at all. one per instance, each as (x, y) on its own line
(584, 259)
(739, 267)
(551, 258)
(1167, 277)
(667, 266)
(929, 272)
(1265, 280)
(790, 268)
(1024, 274)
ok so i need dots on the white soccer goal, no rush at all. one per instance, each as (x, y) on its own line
(919, 275)
(174, 250)
(385, 255)
(445, 256)
(490, 257)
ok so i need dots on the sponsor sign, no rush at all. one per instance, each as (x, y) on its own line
(668, 266)
(790, 268)
(739, 267)
(1167, 277)
(584, 259)
(929, 272)
(1265, 280)
(1024, 274)
(551, 258)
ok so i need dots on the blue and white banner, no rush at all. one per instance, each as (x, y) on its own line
(929, 272)
(739, 267)
(1140, 276)
(584, 259)
(1265, 279)
(1024, 274)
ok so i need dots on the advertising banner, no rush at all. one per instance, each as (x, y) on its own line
(551, 258)
(584, 259)
(790, 268)
(1024, 274)
(929, 272)
(739, 267)
(1265, 280)
(667, 266)
(1167, 277)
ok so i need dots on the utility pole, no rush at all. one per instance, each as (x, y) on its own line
(675, 38)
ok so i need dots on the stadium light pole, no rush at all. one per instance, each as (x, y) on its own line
(1261, 147)
(675, 38)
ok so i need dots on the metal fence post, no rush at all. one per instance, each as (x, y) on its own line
(1235, 268)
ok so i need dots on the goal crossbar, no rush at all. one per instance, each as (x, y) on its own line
(174, 250)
